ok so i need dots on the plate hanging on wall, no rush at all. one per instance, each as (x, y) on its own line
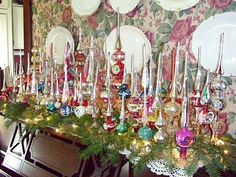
(58, 37)
(125, 6)
(176, 5)
(207, 35)
(85, 7)
(132, 40)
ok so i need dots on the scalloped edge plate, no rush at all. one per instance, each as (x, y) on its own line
(125, 6)
(176, 5)
(59, 36)
(132, 40)
(85, 7)
(207, 35)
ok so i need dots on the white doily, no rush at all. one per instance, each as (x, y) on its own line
(157, 166)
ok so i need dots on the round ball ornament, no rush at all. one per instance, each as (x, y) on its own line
(79, 111)
(172, 109)
(51, 107)
(218, 104)
(218, 84)
(65, 110)
(3, 97)
(184, 139)
(122, 128)
(145, 133)
(109, 125)
(124, 89)
(57, 104)
(205, 115)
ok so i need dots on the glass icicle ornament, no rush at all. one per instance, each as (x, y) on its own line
(122, 127)
(92, 101)
(28, 75)
(75, 86)
(95, 109)
(109, 124)
(184, 137)
(150, 97)
(57, 94)
(206, 116)
(157, 104)
(21, 91)
(21, 72)
(80, 110)
(196, 98)
(104, 91)
(52, 84)
(14, 77)
(117, 69)
(65, 109)
(134, 104)
(172, 108)
(46, 87)
(157, 99)
(132, 74)
(45, 90)
(79, 54)
(145, 133)
(65, 91)
(123, 88)
(51, 106)
(160, 134)
(218, 85)
(90, 77)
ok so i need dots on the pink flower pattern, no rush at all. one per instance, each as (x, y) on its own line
(182, 29)
(220, 4)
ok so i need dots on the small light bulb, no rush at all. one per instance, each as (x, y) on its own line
(74, 126)
(226, 151)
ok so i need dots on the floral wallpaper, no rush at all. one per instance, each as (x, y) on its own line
(159, 26)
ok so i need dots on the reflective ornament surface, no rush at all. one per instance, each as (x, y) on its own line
(205, 116)
(65, 110)
(79, 111)
(51, 107)
(184, 138)
(122, 127)
(172, 109)
(145, 133)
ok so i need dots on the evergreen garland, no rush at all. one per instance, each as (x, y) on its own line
(99, 142)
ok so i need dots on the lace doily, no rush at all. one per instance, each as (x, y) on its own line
(157, 166)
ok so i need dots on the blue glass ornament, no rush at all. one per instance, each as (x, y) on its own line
(145, 133)
(41, 87)
(65, 110)
(124, 89)
(122, 128)
(51, 107)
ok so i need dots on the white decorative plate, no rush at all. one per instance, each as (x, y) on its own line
(85, 7)
(207, 35)
(125, 6)
(58, 36)
(176, 5)
(132, 40)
